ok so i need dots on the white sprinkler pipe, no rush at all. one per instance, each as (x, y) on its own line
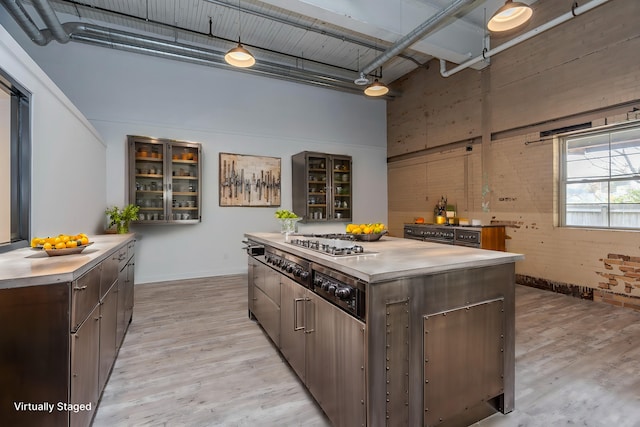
(575, 11)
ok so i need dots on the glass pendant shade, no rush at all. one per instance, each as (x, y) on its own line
(510, 16)
(239, 57)
(376, 89)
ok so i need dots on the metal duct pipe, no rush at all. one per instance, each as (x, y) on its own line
(51, 20)
(16, 10)
(526, 36)
(418, 33)
(130, 42)
(122, 40)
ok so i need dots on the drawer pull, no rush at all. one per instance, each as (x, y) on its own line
(80, 288)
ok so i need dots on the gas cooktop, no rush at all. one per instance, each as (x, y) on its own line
(330, 244)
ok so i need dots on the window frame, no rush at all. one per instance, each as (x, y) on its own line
(563, 180)
(20, 142)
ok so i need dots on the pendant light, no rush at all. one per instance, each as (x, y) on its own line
(510, 16)
(239, 56)
(376, 89)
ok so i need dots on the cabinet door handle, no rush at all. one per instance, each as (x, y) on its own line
(80, 288)
(295, 314)
(311, 312)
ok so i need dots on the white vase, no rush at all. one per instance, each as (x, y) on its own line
(288, 225)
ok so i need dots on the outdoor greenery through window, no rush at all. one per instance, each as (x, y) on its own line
(600, 178)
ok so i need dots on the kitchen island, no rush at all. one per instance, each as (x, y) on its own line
(403, 333)
(62, 322)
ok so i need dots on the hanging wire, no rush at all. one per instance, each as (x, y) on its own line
(239, 22)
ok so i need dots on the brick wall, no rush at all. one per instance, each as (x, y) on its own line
(584, 71)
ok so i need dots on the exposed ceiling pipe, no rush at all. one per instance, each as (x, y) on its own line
(50, 19)
(306, 27)
(121, 40)
(575, 11)
(418, 33)
(16, 10)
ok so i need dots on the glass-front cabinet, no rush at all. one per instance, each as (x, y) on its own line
(165, 180)
(322, 186)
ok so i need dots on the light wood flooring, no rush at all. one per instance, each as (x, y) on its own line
(193, 358)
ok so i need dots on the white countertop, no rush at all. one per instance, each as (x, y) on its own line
(30, 267)
(393, 258)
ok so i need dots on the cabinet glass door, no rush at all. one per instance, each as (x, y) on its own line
(184, 171)
(164, 180)
(149, 180)
(318, 167)
(341, 179)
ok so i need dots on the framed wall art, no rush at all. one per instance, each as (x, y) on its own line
(247, 180)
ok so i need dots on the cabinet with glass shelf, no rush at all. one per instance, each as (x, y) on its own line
(164, 180)
(322, 186)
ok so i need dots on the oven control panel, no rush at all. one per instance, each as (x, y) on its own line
(345, 292)
(468, 237)
(291, 266)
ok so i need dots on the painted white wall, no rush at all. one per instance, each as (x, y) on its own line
(68, 156)
(227, 111)
(5, 167)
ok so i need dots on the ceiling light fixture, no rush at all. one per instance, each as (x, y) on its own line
(239, 56)
(376, 89)
(510, 16)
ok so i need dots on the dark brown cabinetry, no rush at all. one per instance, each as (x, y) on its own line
(322, 186)
(59, 342)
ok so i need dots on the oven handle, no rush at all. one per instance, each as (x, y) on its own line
(295, 314)
(252, 248)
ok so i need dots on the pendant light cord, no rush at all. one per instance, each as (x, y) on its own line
(239, 22)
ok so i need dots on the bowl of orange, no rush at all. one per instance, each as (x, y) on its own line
(62, 244)
(366, 232)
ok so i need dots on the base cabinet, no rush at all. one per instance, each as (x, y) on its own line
(85, 348)
(292, 322)
(108, 348)
(265, 291)
(58, 344)
(325, 347)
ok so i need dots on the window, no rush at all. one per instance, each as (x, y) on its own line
(15, 164)
(600, 178)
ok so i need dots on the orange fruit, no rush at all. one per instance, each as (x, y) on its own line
(60, 245)
(46, 246)
(84, 240)
(71, 244)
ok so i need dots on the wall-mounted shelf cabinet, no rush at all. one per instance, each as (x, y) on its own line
(165, 180)
(322, 186)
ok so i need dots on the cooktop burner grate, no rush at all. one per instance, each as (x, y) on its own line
(330, 244)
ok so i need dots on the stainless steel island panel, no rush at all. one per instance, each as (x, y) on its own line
(425, 296)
